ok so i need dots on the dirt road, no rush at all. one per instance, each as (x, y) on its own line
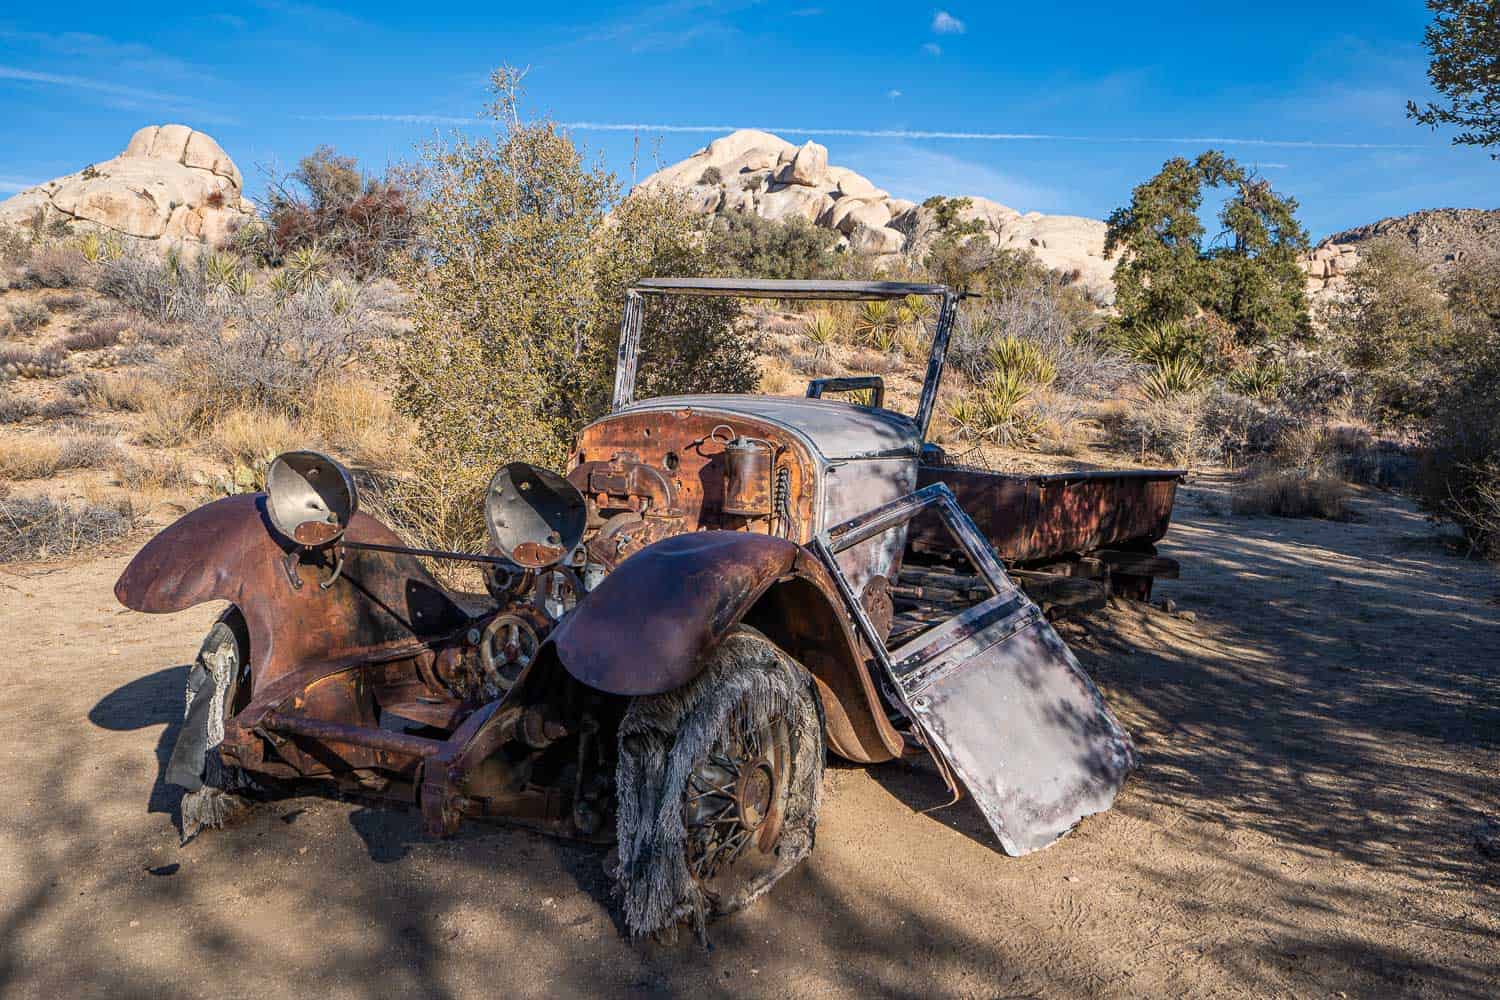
(1320, 750)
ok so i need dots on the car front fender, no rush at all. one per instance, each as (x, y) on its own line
(227, 551)
(648, 627)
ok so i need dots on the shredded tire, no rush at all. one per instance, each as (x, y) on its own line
(214, 791)
(746, 685)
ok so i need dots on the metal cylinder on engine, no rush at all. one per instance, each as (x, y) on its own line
(748, 467)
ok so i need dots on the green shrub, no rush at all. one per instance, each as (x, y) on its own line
(752, 247)
(515, 307)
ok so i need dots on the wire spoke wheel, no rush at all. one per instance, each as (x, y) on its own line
(718, 786)
(733, 809)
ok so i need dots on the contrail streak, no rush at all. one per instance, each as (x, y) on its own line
(893, 133)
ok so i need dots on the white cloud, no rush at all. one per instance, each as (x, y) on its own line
(944, 23)
(893, 94)
(895, 133)
(85, 83)
(933, 49)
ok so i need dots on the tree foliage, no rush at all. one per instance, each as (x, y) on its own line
(1247, 273)
(1463, 41)
(326, 202)
(747, 245)
(517, 292)
(1392, 326)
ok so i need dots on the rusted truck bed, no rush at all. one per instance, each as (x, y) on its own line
(1041, 518)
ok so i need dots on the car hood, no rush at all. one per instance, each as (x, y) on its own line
(838, 431)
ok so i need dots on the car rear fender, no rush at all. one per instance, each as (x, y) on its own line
(648, 627)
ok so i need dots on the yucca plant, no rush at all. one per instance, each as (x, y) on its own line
(997, 410)
(221, 270)
(1260, 380)
(885, 339)
(1159, 343)
(306, 265)
(822, 329)
(1174, 377)
(915, 309)
(875, 317)
(1023, 358)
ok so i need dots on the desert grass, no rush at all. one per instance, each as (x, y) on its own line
(252, 437)
(36, 457)
(41, 528)
(357, 419)
(1283, 493)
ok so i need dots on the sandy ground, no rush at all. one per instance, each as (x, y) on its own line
(1319, 749)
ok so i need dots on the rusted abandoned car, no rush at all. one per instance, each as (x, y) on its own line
(719, 588)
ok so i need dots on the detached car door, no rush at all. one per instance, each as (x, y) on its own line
(995, 695)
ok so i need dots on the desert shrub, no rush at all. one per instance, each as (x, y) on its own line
(151, 472)
(15, 248)
(1284, 493)
(96, 336)
(1460, 478)
(1170, 431)
(167, 419)
(269, 350)
(65, 303)
(119, 393)
(63, 406)
(752, 247)
(14, 409)
(161, 290)
(776, 380)
(1030, 309)
(328, 204)
(42, 528)
(515, 303)
(57, 265)
(1392, 327)
(711, 175)
(1235, 429)
(31, 362)
(28, 316)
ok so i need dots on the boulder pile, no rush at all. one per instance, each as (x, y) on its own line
(750, 172)
(171, 185)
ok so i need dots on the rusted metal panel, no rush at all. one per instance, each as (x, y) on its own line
(1028, 518)
(226, 550)
(645, 628)
(997, 693)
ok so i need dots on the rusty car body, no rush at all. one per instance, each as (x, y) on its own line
(720, 586)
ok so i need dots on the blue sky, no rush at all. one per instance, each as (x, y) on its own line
(1103, 93)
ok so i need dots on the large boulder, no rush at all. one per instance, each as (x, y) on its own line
(170, 185)
(756, 173)
(809, 167)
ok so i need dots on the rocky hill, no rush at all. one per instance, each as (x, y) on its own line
(170, 185)
(1446, 238)
(757, 173)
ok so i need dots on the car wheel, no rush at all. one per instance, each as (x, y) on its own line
(218, 687)
(718, 785)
